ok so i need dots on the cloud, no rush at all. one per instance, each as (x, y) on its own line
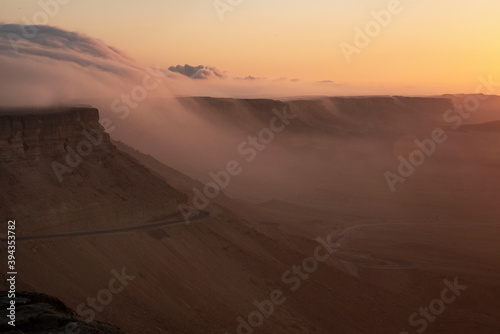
(49, 65)
(197, 72)
(250, 77)
(60, 45)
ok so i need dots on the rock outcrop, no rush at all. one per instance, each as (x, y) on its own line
(37, 133)
(39, 313)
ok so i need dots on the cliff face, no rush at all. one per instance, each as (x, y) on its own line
(34, 134)
(60, 172)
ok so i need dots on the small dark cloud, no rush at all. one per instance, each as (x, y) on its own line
(325, 82)
(250, 78)
(197, 72)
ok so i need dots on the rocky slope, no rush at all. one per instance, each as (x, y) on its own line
(60, 172)
(39, 313)
(212, 275)
(202, 277)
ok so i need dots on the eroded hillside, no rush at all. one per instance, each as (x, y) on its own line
(60, 173)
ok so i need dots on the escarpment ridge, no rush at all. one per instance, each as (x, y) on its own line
(61, 173)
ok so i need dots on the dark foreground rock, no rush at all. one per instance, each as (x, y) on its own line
(38, 313)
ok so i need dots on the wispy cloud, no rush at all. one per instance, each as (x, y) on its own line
(61, 45)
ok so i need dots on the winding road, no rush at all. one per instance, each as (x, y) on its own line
(390, 263)
(128, 229)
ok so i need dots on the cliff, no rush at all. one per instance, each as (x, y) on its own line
(60, 172)
(35, 133)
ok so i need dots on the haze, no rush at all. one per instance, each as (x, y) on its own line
(250, 166)
(429, 48)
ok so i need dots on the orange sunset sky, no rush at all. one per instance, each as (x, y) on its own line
(429, 47)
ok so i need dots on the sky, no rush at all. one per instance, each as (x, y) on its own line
(424, 47)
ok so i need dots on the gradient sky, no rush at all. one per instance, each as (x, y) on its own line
(432, 46)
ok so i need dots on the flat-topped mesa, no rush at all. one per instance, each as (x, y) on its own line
(37, 132)
(59, 169)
